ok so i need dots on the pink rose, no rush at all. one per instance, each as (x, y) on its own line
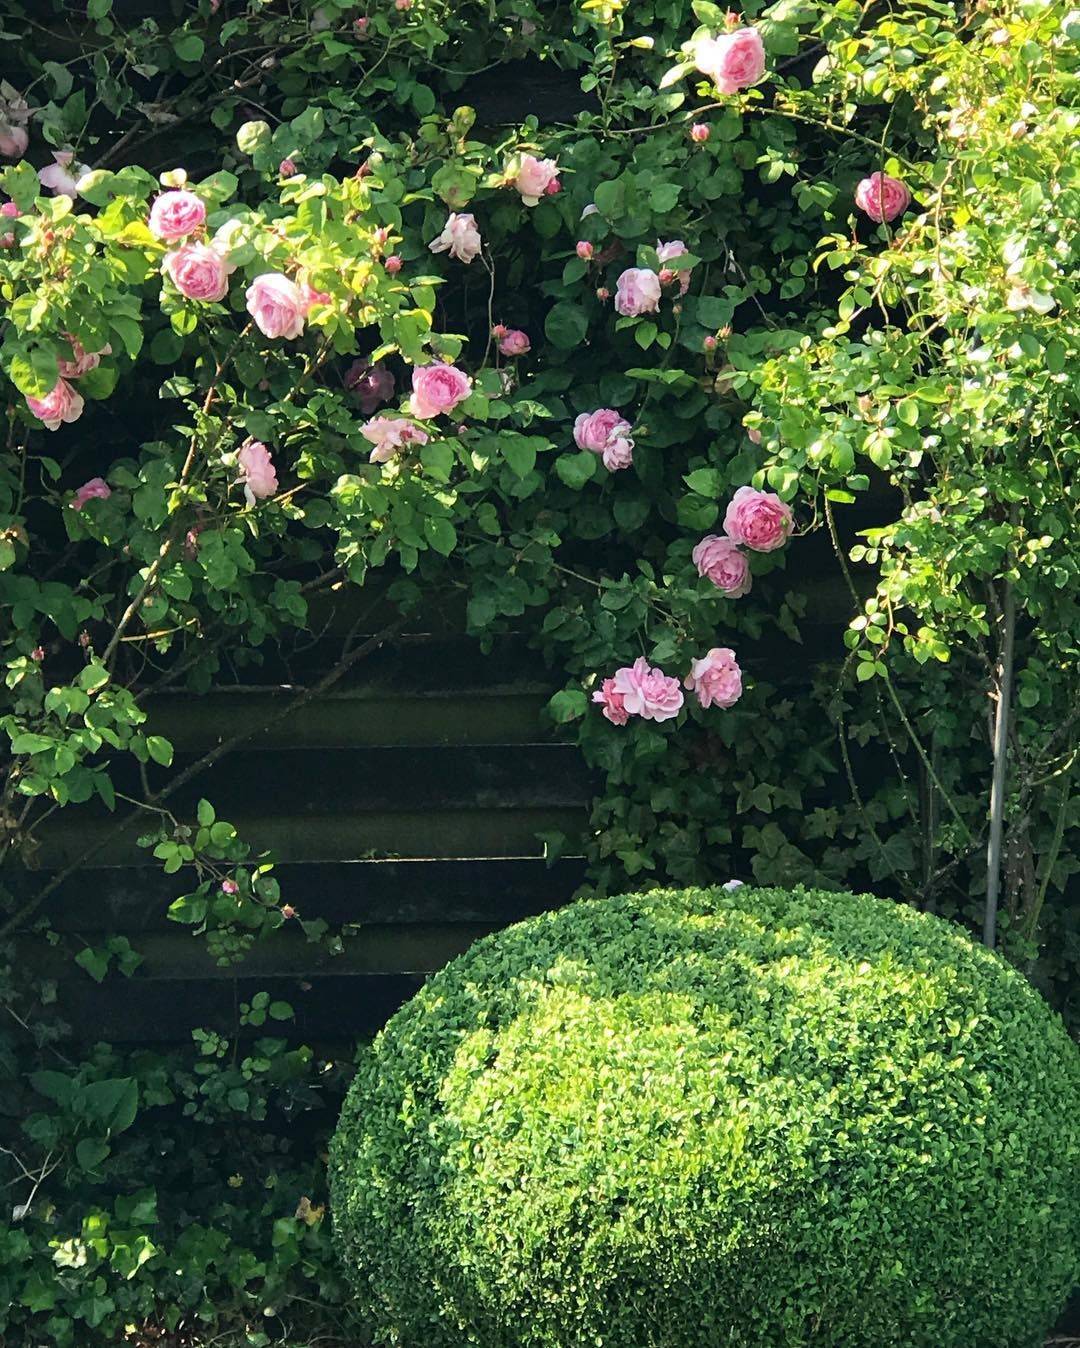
(637, 292)
(437, 388)
(393, 264)
(13, 141)
(584, 250)
(733, 61)
(257, 472)
(287, 168)
(608, 697)
(699, 133)
(97, 489)
(62, 404)
(460, 238)
(666, 252)
(10, 210)
(198, 271)
(515, 343)
(719, 560)
(390, 434)
(606, 433)
(716, 679)
(881, 197)
(176, 214)
(534, 177)
(758, 519)
(61, 177)
(82, 361)
(277, 305)
(647, 692)
(372, 384)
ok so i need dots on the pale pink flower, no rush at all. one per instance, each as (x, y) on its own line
(533, 178)
(391, 434)
(584, 250)
(174, 215)
(699, 133)
(666, 252)
(733, 61)
(97, 489)
(718, 559)
(606, 433)
(199, 272)
(61, 177)
(716, 679)
(460, 238)
(608, 697)
(287, 168)
(393, 264)
(230, 887)
(881, 197)
(758, 519)
(82, 361)
(372, 384)
(13, 141)
(515, 343)
(9, 209)
(437, 388)
(277, 305)
(62, 404)
(257, 472)
(637, 292)
(648, 692)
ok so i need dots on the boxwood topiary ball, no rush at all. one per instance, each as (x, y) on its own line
(692, 1119)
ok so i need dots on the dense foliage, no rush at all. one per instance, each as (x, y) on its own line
(717, 300)
(704, 1117)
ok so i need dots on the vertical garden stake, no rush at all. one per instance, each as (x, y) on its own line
(997, 789)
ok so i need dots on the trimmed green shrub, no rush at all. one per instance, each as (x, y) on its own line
(702, 1118)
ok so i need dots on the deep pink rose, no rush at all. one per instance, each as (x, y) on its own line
(62, 404)
(647, 692)
(97, 489)
(372, 384)
(515, 343)
(881, 197)
(608, 697)
(758, 519)
(534, 177)
(277, 305)
(437, 388)
(174, 215)
(733, 61)
(13, 141)
(199, 271)
(666, 252)
(606, 433)
(257, 472)
(719, 560)
(460, 238)
(637, 292)
(10, 210)
(716, 679)
(390, 434)
(82, 361)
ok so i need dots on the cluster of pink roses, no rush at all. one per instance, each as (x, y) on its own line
(436, 390)
(638, 289)
(607, 433)
(200, 271)
(757, 520)
(64, 403)
(642, 690)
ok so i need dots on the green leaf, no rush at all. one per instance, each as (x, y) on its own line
(705, 481)
(160, 750)
(440, 534)
(95, 962)
(576, 469)
(566, 325)
(97, 9)
(568, 705)
(188, 46)
(520, 455)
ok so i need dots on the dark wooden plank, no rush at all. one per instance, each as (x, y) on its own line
(163, 1011)
(361, 718)
(359, 781)
(134, 899)
(402, 835)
